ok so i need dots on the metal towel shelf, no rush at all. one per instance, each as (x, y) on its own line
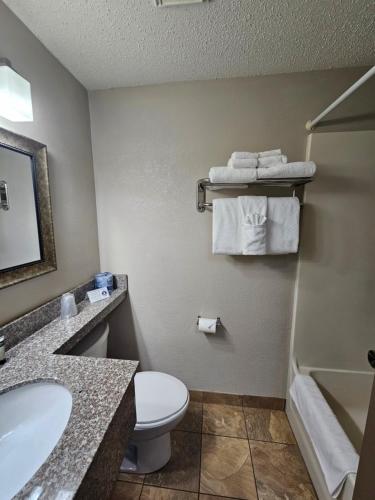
(204, 184)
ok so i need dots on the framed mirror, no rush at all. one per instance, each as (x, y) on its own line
(27, 247)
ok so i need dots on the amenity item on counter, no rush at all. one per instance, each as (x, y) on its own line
(104, 280)
(68, 306)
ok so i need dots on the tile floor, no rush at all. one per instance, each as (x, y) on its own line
(225, 450)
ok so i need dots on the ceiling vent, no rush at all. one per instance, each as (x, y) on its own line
(172, 3)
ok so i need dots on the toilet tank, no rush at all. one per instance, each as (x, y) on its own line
(95, 343)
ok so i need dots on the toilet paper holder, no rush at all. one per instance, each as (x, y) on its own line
(218, 321)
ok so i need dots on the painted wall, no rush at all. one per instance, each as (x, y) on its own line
(335, 314)
(61, 121)
(150, 146)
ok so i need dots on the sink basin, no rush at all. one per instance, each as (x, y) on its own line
(32, 420)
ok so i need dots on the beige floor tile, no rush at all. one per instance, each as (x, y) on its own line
(226, 468)
(126, 491)
(268, 425)
(182, 471)
(192, 422)
(224, 420)
(280, 472)
(153, 493)
(131, 478)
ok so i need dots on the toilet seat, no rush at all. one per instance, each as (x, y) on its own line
(159, 399)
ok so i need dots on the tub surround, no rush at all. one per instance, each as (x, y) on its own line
(86, 460)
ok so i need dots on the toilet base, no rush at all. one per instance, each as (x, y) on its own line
(143, 457)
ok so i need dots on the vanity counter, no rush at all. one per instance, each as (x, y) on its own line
(86, 459)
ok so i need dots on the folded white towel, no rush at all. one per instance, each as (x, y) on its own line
(226, 227)
(232, 175)
(253, 217)
(268, 161)
(243, 155)
(272, 152)
(282, 225)
(288, 170)
(334, 451)
(243, 163)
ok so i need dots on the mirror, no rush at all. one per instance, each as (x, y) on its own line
(26, 231)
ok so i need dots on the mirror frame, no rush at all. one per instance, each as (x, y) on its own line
(38, 155)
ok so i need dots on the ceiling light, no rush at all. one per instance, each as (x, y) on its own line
(170, 3)
(15, 95)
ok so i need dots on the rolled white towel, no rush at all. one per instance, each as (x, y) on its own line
(287, 170)
(267, 161)
(243, 155)
(271, 152)
(234, 175)
(243, 163)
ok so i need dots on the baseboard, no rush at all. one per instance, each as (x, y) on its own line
(265, 402)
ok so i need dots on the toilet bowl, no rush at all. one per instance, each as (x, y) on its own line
(161, 402)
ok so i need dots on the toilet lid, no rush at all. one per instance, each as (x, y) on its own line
(158, 396)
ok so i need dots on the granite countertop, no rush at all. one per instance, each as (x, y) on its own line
(102, 390)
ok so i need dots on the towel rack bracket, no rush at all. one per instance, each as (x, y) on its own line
(205, 184)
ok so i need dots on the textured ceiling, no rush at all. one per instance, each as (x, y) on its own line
(116, 43)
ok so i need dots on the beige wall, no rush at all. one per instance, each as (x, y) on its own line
(335, 313)
(150, 146)
(61, 121)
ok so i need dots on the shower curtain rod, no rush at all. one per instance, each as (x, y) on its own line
(311, 123)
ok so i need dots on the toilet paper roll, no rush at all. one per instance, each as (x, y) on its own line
(207, 325)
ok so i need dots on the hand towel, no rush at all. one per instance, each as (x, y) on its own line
(272, 152)
(287, 170)
(226, 227)
(254, 230)
(243, 155)
(243, 163)
(268, 161)
(282, 225)
(232, 175)
(334, 451)
(253, 217)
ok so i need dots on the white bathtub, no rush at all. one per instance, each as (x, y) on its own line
(348, 395)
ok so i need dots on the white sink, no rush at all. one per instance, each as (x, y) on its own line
(32, 420)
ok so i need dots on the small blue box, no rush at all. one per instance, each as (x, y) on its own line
(104, 280)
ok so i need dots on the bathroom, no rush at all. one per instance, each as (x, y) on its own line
(129, 106)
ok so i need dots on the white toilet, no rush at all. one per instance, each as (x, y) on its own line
(161, 402)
